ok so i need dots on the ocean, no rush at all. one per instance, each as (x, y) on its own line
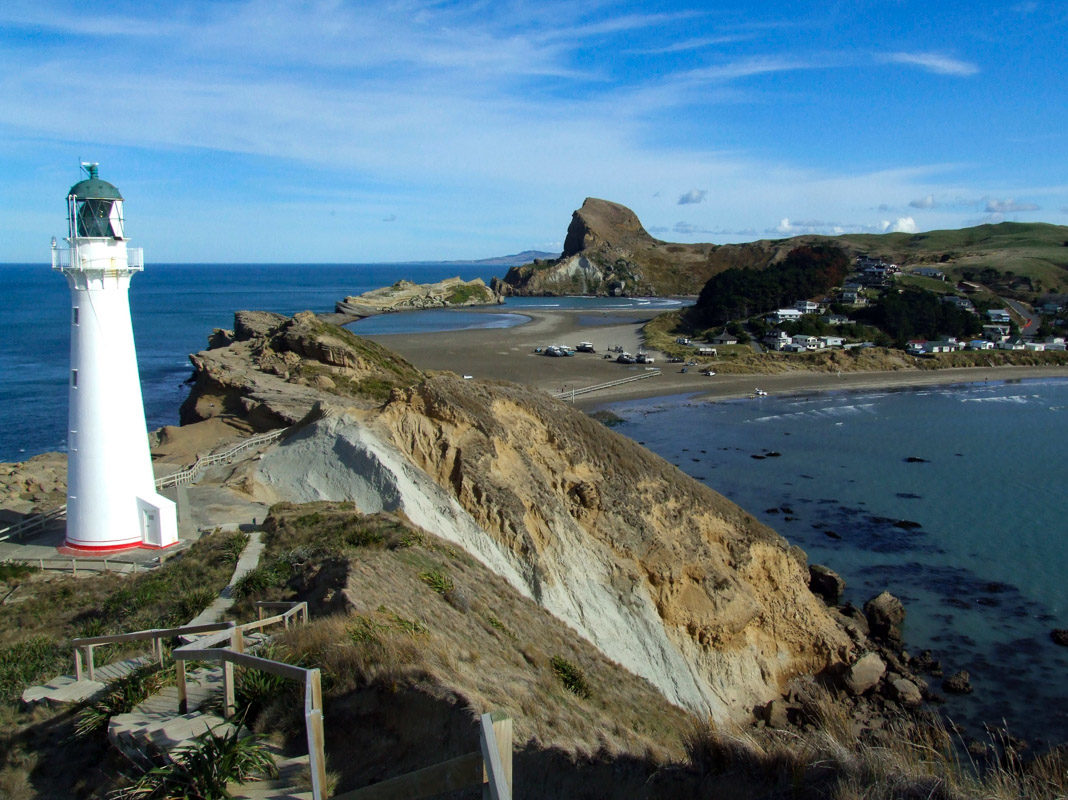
(976, 468)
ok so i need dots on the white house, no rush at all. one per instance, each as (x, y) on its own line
(806, 342)
(832, 341)
(776, 340)
(980, 344)
(998, 315)
(807, 306)
(784, 315)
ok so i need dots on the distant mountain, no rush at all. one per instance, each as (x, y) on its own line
(513, 260)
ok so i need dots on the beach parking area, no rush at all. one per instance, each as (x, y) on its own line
(509, 354)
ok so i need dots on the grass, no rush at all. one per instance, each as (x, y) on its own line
(121, 696)
(573, 678)
(35, 634)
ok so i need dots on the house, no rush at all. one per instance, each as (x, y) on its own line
(852, 297)
(998, 315)
(784, 315)
(776, 340)
(725, 338)
(832, 341)
(835, 319)
(1011, 344)
(944, 346)
(916, 347)
(807, 306)
(1035, 347)
(963, 303)
(705, 350)
(996, 333)
(806, 342)
(980, 344)
(929, 272)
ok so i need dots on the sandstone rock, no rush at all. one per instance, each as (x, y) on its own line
(907, 693)
(885, 615)
(826, 583)
(958, 683)
(220, 337)
(252, 324)
(865, 673)
(1059, 636)
(776, 714)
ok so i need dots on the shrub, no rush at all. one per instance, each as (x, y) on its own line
(438, 580)
(202, 769)
(570, 676)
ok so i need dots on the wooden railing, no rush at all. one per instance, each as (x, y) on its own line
(185, 476)
(489, 767)
(88, 644)
(573, 393)
(205, 649)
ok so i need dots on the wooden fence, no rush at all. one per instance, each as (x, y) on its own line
(181, 478)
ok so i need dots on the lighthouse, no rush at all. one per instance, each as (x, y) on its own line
(112, 502)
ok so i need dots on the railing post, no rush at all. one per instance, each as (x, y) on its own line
(183, 694)
(230, 702)
(498, 784)
(77, 664)
(313, 719)
(89, 658)
(237, 640)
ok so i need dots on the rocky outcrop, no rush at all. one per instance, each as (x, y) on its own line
(32, 486)
(271, 370)
(607, 251)
(408, 296)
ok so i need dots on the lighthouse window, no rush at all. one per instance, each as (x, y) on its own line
(74, 315)
(74, 378)
(94, 218)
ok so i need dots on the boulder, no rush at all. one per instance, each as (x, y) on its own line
(885, 615)
(826, 583)
(958, 683)
(1059, 636)
(865, 673)
(776, 714)
(907, 693)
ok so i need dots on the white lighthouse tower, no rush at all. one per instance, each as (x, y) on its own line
(111, 495)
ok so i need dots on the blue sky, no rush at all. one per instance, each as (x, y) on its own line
(405, 130)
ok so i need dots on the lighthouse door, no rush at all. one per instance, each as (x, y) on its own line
(151, 532)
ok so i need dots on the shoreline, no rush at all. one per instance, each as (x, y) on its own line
(508, 354)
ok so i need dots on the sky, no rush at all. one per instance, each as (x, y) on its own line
(401, 130)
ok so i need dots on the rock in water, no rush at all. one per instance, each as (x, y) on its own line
(958, 683)
(1059, 636)
(826, 583)
(885, 615)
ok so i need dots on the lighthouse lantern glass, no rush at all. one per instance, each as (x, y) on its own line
(99, 218)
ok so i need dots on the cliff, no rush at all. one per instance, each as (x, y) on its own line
(661, 573)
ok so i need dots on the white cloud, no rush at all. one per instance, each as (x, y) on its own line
(1008, 206)
(927, 201)
(902, 225)
(935, 62)
(692, 196)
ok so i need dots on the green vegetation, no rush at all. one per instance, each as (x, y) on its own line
(438, 580)
(10, 571)
(460, 295)
(202, 770)
(573, 679)
(121, 696)
(915, 313)
(25, 662)
(741, 293)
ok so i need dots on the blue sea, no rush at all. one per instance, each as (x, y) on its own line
(981, 565)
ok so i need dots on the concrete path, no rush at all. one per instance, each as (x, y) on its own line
(248, 561)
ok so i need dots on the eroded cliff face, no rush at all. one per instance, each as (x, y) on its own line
(663, 574)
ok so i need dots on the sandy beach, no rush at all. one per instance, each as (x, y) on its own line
(509, 354)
